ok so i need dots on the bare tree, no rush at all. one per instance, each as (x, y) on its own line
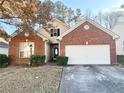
(25, 14)
(88, 13)
(110, 19)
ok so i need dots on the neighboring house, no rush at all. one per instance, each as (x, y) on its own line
(119, 29)
(3, 46)
(85, 43)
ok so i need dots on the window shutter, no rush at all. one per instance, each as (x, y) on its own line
(51, 32)
(58, 32)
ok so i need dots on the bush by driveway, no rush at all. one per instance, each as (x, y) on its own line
(120, 59)
(43, 79)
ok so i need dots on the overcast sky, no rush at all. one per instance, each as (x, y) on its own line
(93, 5)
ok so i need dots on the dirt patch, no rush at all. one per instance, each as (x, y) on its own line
(43, 79)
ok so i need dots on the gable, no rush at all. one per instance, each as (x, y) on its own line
(96, 25)
(93, 34)
(55, 23)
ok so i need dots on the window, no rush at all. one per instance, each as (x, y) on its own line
(55, 32)
(25, 50)
(86, 27)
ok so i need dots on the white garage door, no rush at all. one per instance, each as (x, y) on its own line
(88, 54)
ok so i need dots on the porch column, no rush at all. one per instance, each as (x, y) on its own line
(46, 51)
(59, 45)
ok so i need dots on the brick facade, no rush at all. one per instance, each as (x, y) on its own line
(94, 36)
(14, 48)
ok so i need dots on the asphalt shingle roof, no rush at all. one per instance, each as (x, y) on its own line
(3, 45)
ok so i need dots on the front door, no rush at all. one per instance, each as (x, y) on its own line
(54, 51)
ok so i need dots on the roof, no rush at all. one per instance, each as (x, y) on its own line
(114, 35)
(44, 35)
(3, 40)
(3, 45)
(39, 34)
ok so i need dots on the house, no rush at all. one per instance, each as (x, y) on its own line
(3, 46)
(23, 44)
(85, 43)
(119, 29)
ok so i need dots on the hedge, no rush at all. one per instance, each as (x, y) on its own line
(62, 60)
(37, 60)
(3, 60)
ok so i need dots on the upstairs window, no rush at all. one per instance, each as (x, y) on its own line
(55, 32)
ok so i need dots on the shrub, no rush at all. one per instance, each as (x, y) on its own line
(3, 60)
(37, 60)
(120, 59)
(62, 60)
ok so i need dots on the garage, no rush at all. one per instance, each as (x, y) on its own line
(88, 54)
(88, 43)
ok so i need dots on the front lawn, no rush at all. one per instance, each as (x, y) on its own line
(43, 79)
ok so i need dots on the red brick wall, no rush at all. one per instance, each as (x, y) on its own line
(14, 47)
(94, 36)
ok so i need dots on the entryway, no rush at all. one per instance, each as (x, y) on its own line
(54, 52)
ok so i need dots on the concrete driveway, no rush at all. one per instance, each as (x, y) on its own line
(92, 79)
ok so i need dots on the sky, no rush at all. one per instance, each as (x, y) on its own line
(93, 5)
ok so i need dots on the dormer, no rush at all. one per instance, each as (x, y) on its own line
(57, 27)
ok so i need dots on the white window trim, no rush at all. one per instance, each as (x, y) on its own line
(26, 50)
